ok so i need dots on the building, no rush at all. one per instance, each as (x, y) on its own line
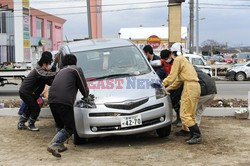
(157, 37)
(25, 32)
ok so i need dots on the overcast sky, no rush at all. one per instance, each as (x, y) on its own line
(229, 25)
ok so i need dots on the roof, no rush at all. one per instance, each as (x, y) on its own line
(94, 44)
(36, 12)
(143, 33)
(47, 16)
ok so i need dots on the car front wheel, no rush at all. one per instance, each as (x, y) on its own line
(79, 141)
(164, 132)
(240, 76)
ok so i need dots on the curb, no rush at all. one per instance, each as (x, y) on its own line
(210, 112)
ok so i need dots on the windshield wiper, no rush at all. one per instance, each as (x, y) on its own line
(112, 76)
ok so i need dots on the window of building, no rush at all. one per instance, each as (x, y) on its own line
(0, 23)
(39, 27)
(3, 22)
(49, 27)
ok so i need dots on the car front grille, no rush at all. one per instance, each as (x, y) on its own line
(119, 128)
(126, 114)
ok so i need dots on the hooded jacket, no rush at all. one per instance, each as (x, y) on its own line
(66, 84)
(36, 80)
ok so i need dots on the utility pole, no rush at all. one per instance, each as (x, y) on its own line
(89, 19)
(197, 27)
(191, 28)
(174, 21)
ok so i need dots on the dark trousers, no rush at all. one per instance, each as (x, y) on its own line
(175, 96)
(34, 109)
(64, 117)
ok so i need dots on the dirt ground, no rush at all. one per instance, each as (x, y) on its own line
(226, 141)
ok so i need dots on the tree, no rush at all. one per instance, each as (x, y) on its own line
(212, 47)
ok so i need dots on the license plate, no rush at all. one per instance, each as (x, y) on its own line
(129, 121)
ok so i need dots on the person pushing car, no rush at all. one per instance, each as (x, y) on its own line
(183, 72)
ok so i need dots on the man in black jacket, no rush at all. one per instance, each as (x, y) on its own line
(62, 97)
(31, 89)
(149, 53)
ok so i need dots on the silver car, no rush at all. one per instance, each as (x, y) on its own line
(239, 72)
(128, 98)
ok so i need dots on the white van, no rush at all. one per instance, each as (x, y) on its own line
(199, 62)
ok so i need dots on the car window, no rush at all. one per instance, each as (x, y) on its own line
(187, 58)
(197, 61)
(248, 65)
(109, 61)
(244, 56)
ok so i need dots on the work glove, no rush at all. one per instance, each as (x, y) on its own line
(89, 98)
(164, 83)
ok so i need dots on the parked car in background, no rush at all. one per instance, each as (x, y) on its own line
(217, 58)
(228, 59)
(242, 57)
(199, 62)
(128, 99)
(206, 57)
(239, 72)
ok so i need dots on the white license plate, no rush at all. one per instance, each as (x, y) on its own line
(129, 121)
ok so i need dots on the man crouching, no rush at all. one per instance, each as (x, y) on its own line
(61, 99)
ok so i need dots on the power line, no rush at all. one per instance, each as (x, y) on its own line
(105, 11)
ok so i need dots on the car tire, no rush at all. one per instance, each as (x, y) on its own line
(79, 141)
(240, 76)
(164, 132)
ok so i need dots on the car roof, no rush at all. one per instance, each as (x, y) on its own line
(95, 44)
(193, 55)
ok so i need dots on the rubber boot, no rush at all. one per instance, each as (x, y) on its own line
(32, 126)
(21, 123)
(62, 147)
(196, 135)
(57, 143)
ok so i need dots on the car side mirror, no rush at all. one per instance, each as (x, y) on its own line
(156, 63)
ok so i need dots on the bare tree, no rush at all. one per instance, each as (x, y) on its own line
(213, 47)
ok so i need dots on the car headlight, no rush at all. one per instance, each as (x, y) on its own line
(160, 93)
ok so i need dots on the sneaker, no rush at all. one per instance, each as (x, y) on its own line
(32, 127)
(21, 126)
(182, 133)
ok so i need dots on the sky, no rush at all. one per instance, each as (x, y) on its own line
(226, 21)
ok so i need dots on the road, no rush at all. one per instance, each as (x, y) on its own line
(226, 89)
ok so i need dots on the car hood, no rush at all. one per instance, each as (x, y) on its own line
(122, 89)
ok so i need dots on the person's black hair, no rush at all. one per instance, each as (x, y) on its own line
(69, 59)
(165, 54)
(148, 49)
(175, 53)
(46, 58)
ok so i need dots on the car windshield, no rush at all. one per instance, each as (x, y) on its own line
(108, 62)
(197, 61)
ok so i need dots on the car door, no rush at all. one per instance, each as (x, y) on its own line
(247, 70)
